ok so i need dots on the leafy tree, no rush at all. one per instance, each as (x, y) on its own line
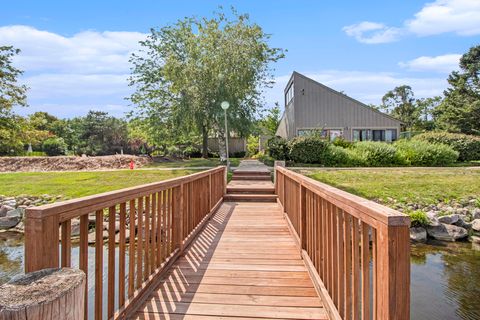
(426, 107)
(187, 69)
(11, 94)
(271, 121)
(400, 103)
(460, 110)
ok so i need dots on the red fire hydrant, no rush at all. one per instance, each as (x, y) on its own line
(132, 165)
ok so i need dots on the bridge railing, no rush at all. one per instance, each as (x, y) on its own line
(157, 220)
(357, 251)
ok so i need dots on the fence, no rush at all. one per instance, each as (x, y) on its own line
(357, 251)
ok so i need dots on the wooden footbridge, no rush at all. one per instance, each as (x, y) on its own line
(196, 248)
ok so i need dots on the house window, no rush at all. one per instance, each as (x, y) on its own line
(378, 135)
(289, 95)
(390, 135)
(334, 134)
(362, 135)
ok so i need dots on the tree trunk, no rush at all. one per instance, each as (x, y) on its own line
(46, 294)
(204, 142)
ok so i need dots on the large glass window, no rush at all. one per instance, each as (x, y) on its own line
(362, 135)
(378, 135)
(289, 95)
(390, 135)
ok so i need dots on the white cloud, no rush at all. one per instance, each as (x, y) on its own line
(84, 52)
(71, 75)
(444, 63)
(367, 87)
(372, 32)
(441, 16)
(459, 16)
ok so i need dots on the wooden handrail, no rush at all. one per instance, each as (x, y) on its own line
(357, 251)
(163, 217)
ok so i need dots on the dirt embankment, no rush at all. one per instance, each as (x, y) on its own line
(10, 164)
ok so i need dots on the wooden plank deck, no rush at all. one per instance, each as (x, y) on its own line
(243, 265)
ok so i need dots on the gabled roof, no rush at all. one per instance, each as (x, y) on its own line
(295, 73)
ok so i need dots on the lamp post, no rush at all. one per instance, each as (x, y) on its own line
(225, 106)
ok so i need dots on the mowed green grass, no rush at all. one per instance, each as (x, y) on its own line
(79, 184)
(422, 186)
(194, 162)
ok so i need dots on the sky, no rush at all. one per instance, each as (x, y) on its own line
(75, 54)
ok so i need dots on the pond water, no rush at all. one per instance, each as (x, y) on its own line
(445, 277)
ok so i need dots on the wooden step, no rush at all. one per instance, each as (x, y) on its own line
(250, 197)
(250, 190)
(251, 173)
(262, 178)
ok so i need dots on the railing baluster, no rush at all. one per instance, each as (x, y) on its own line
(140, 232)
(159, 229)
(121, 255)
(83, 259)
(341, 270)
(153, 234)
(66, 243)
(365, 272)
(131, 250)
(356, 268)
(111, 262)
(147, 239)
(98, 264)
(348, 267)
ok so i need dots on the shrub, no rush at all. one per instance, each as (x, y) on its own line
(252, 145)
(422, 153)
(266, 159)
(374, 154)
(418, 218)
(341, 142)
(337, 156)
(278, 148)
(309, 149)
(467, 146)
(54, 146)
(192, 152)
(237, 154)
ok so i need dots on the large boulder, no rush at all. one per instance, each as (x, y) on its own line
(418, 234)
(446, 232)
(450, 219)
(9, 222)
(4, 209)
(476, 213)
(476, 225)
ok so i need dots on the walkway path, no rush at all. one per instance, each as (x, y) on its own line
(243, 265)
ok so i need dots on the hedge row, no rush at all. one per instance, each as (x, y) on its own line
(467, 146)
(315, 150)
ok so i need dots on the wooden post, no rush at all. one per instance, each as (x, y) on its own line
(41, 241)
(46, 294)
(393, 267)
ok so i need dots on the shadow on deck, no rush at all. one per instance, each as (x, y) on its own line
(244, 263)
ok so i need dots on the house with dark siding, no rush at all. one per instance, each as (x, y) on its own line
(310, 105)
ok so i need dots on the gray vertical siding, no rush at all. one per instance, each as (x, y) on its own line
(317, 106)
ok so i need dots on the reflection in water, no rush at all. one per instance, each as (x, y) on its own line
(445, 281)
(445, 276)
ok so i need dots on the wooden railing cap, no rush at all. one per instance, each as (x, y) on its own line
(342, 198)
(76, 207)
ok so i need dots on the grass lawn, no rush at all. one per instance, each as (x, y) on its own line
(78, 184)
(405, 185)
(194, 162)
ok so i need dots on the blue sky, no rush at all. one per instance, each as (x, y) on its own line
(75, 55)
